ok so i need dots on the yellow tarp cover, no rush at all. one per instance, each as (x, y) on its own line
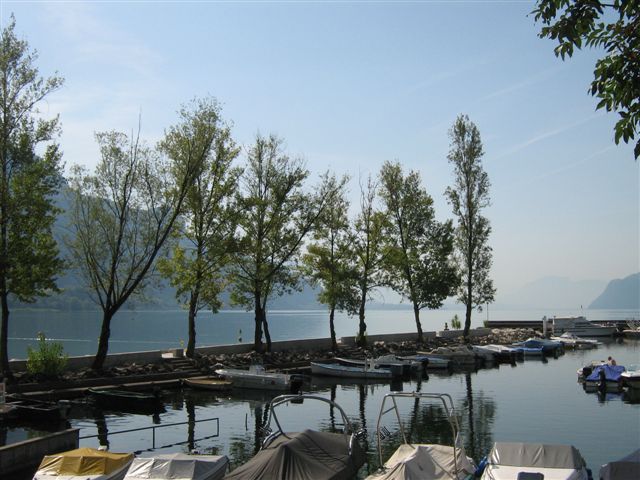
(83, 461)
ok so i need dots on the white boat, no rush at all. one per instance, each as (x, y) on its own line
(504, 353)
(633, 330)
(178, 466)
(306, 455)
(428, 361)
(422, 461)
(207, 383)
(84, 464)
(396, 367)
(627, 468)
(531, 461)
(346, 371)
(258, 377)
(458, 356)
(571, 340)
(631, 377)
(581, 327)
(486, 354)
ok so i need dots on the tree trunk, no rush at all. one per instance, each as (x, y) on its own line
(103, 342)
(4, 334)
(193, 311)
(416, 315)
(467, 318)
(362, 339)
(332, 329)
(265, 325)
(258, 319)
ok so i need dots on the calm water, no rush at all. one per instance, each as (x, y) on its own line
(533, 401)
(149, 330)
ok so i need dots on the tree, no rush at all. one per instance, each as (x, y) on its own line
(29, 256)
(368, 246)
(276, 215)
(329, 261)
(121, 217)
(209, 215)
(615, 27)
(419, 265)
(468, 196)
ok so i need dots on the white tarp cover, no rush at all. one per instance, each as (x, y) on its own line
(535, 455)
(178, 466)
(308, 455)
(627, 468)
(425, 462)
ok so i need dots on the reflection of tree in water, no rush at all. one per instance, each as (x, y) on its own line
(243, 448)
(101, 426)
(477, 424)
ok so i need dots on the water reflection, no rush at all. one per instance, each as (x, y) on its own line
(481, 412)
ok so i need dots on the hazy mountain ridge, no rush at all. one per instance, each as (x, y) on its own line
(620, 293)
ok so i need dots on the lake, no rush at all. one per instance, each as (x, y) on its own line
(154, 330)
(533, 401)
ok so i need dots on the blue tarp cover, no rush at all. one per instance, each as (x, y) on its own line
(611, 372)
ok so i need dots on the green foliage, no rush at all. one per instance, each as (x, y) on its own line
(31, 174)
(614, 27)
(48, 359)
(455, 322)
(468, 196)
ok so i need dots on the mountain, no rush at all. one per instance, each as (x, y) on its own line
(620, 293)
(552, 292)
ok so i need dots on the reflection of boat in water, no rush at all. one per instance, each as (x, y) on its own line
(424, 461)
(178, 466)
(534, 461)
(306, 455)
(84, 464)
(257, 377)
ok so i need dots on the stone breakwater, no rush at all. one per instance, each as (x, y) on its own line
(205, 364)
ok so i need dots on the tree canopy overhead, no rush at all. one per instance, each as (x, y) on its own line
(615, 27)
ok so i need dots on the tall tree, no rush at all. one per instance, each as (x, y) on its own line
(276, 215)
(468, 196)
(29, 181)
(615, 27)
(329, 261)
(209, 215)
(121, 217)
(368, 246)
(419, 265)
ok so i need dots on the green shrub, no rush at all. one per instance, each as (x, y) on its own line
(48, 359)
(455, 322)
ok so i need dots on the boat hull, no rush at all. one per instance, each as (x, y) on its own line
(343, 371)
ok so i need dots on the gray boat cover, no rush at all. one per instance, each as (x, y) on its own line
(178, 466)
(627, 468)
(308, 455)
(535, 455)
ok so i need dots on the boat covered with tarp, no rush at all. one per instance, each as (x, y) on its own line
(178, 466)
(627, 468)
(534, 461)
(84, 463)
(607, 377)
(305, 455)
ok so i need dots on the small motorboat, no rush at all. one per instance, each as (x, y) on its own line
(458, 356)
(126, 400)
(605, 377)
(504, 353)
(428, 361)
(417, 460)
(348, 371)
(631, 377)
(23, 407)
(306, 455)
(549, 347)
(389, 362)
(178, 466)
(627, 468)
(534, 461)
(84, 464)
(587, 369)
(572, 341)
(258, 377)
(214, 384)
(488, 355)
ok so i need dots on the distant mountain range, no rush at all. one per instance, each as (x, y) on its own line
(620, 293)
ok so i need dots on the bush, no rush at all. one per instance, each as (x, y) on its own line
(48, 360)
(455, 322)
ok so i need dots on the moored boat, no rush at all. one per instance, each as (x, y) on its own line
(581, 327)
(627, 468)
(534, 461)
(178, 466)
(605, 377)
(549, 347)
(419, 460)
(397, 367)
(428, 361)
(458, 356)
(572, 341)
(347, 371)
(306, 455)
(127, 401)
(208, 383)
(631, 377)
(84, 464)
(504, 353)
(257, 377)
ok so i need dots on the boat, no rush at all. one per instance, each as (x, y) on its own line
(178, 466)
(84, 464)
(346, 371)
(208, 383)
(528, 351)
(127, 401)
(458, 356)
(418, 460)
(627, 468)
(389, 362)
(631, 377)
(605, 377)
(306, 455)
(257, 377)
(428, 361)
(572, 341)
(633, 329)
(580, 326)
(549, 347)
(534, 461)
(588, 368)
(23, 407)
(488, 355)
(504, 353)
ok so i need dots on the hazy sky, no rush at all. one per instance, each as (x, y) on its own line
(349, 85)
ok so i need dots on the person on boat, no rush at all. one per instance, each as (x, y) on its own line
(611, 361)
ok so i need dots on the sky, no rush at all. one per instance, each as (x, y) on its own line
(349, 85)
